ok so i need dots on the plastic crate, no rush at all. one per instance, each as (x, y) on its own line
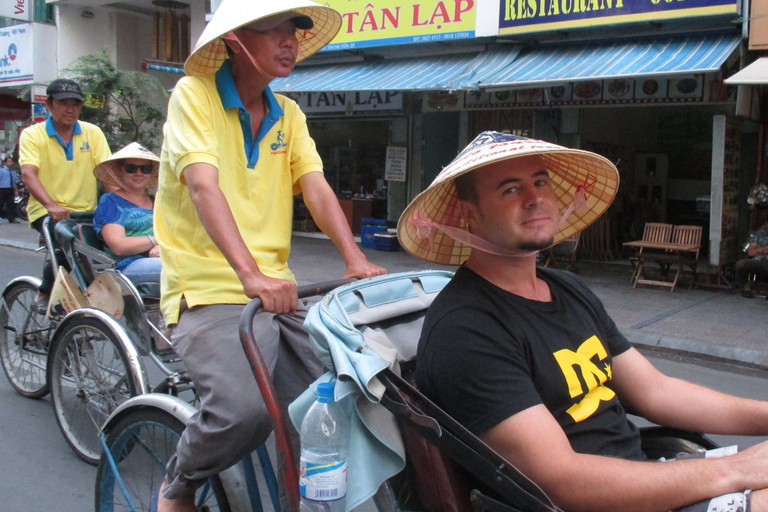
(367, 233)
(385, 242)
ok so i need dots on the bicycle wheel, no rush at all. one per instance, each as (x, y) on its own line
(89, 378)
(140, 444)
(25, 341)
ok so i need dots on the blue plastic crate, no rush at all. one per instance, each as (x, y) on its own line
(367, 233)
(386, 242)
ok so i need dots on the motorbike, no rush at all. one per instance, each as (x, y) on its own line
(20, 202)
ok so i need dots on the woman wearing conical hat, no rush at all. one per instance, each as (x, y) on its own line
(233, 156)
(123, 217)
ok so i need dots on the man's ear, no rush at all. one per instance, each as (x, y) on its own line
(468, 211)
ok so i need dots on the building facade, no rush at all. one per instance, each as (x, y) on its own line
(406, 85)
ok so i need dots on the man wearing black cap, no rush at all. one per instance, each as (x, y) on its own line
(57, 158)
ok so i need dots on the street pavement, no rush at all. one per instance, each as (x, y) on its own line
(706, 321)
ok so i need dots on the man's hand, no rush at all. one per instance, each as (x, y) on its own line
(154, 252)
(58, 213)
(363, 268)
(277, 295)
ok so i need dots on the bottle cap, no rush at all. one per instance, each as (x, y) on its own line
(325, 392)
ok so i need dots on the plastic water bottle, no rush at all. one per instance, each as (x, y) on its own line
(324, 451)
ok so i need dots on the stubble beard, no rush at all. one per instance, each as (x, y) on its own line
(536, 246)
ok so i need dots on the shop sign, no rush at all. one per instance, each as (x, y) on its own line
(387, 22)
(349, 103)
(16, 54)
(39, 112)
(394, 168)
(16, 9)
(524, 16)
(38, 94)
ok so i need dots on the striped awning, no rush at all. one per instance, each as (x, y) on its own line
(511, 67)
(420, 73)
(571, 63)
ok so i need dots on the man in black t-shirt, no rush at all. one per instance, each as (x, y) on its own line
(528, 359)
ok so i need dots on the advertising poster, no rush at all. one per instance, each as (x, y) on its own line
(368, 23)
(525, 16)
(16, 55)
(397, 158)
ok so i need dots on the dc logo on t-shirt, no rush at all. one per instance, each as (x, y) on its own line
(85, 147)
(591, 360)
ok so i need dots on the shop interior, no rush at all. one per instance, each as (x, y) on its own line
(354, 156)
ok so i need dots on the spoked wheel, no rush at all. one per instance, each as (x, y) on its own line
(140, 445)
(89, 378)
(24, 341)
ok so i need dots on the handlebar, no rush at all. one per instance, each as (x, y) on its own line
(264, 380)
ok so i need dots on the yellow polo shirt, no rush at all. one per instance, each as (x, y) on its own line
(66, 172)
(201, 129)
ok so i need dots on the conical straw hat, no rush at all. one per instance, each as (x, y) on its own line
(570, 170)
(210, 52)
(109, 170)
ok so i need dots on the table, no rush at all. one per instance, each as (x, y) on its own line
(678, 255)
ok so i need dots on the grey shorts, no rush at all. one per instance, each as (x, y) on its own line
(734, 502)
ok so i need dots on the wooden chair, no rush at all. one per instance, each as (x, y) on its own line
(564, 252)
(689, 235)
(653, 232)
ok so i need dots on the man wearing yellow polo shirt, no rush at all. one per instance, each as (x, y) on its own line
(57, 158)
(233, 156)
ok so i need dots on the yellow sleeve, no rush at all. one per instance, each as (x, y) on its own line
(189, 134)
(101, 151)
(29, 148)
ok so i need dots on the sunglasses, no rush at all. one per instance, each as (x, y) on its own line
(132, 168)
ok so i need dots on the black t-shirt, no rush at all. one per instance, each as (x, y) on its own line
(486, 354)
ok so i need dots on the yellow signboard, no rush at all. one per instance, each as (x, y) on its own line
(368, 23)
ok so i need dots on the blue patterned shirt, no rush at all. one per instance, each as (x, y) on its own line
(136, 220)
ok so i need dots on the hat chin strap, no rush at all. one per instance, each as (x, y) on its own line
(233, 38)
(425, 229)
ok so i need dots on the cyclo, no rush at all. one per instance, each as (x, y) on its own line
(430, 462)
(92, 358)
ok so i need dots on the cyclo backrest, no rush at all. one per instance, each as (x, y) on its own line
(83, 248)
(395, 305)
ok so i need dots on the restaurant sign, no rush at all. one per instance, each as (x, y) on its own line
(522, 16)
(366, 23)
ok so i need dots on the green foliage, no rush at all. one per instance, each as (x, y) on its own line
(128, 106)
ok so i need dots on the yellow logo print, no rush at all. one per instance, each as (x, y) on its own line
(594, 378)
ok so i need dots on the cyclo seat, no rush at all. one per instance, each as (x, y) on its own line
(451, 469)
(85, 249)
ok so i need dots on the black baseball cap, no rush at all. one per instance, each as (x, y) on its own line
(62, 89)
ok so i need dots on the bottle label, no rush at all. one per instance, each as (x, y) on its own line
(323, 482)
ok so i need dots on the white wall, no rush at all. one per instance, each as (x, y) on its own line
(80, 36)
(44, 52)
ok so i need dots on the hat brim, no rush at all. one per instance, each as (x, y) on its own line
(67, 95)
(110, 170)
(568, 168)
(210, 52)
